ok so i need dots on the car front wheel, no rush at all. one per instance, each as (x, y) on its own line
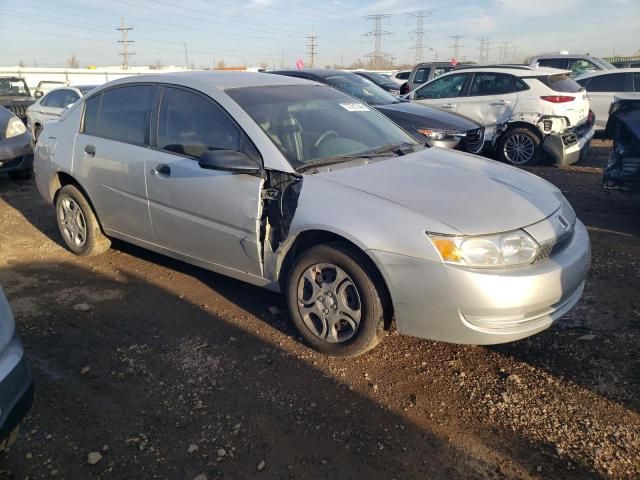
(334, 301)
(520, 147)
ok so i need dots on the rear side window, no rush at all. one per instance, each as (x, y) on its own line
(91, 108)
(552, 62)
(607, 83)
(403, 75)
(422, 75)
(122, 115)
(560, 83)
(191, 124)
(491, 84)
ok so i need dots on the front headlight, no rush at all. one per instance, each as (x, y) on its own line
(509, 249)
(436, 134)
(15, 127)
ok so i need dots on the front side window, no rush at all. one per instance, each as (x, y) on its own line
(361, 88)
(491, 84)
(13, 87)
(53, 99)
(122, 114)
(614, 82)
(578, 66)
(444, 87)
(403, 75)
(313, 123)
(191, 124)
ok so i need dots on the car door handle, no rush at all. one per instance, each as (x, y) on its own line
(448, 105)
(162, 170)
(501, 102)
(90, 150)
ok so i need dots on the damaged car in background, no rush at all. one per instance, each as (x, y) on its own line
(623, 169)
(15, 96)
(297, 187)
(526, 111)
(16, 154)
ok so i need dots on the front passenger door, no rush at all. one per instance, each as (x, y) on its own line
(443, 92)
(208, 215)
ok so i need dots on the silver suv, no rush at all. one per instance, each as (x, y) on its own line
(577, 64)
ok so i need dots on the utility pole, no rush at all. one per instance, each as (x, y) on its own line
(419, 32)
(186, 56)
(504, 51)
(377, 33)
(282, 60)
(312, 45)
(456, 46)
(125, 44)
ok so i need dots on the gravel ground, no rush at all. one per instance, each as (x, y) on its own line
(146, 367)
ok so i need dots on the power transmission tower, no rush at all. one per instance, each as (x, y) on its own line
(377, 33)
(419, 32)
(125, 44)
(504, 52)
(484, 50)
(456, 46)
(282, 60)
(312, 45)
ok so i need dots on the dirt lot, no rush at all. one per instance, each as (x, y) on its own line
(169, 371)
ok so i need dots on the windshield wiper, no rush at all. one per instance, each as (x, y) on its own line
(382, 151)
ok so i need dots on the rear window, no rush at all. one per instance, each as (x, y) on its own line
(560, 83)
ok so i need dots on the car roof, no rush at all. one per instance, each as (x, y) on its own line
(560, 55)
(607, 72)
(317, 72)
(517, 71)
(207, 79)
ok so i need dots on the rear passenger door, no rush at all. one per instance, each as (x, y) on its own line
(601, 90)
(444, 92)
(208, 215)
(491, 98)
(109, 158)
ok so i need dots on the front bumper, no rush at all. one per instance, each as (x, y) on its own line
(568, 147)
(16, 387)
(16, 153)
(483, 307)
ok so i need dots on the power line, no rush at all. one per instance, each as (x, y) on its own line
(125, 43)
(456, 46)
(377, 56)
(312, 45)
(419, 32)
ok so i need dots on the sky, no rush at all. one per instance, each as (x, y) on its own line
(275, 32)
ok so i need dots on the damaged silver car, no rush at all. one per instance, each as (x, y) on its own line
(294, 186)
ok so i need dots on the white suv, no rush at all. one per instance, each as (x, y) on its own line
(525, 110)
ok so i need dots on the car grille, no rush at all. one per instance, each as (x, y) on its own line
(550, 248)
(19, 111)
(474, 140)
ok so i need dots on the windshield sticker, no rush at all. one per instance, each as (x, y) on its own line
(354, 107)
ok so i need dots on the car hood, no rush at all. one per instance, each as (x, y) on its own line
(472, 195)
(429, 117)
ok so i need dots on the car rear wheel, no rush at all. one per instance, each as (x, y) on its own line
(78, 224)
(334, 301)
(520, 147)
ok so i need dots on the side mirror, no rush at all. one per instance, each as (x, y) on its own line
(38, 94)
(228, 161)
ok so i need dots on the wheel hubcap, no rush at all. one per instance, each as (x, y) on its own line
(329, 303)
(519, 149)
(72, 222)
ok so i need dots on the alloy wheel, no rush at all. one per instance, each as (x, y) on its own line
(72, 222)
(519, 149)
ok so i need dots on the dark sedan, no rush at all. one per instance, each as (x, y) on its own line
(428, 125)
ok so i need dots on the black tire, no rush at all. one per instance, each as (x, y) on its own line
(370, 330)
(24, 174)
(518, 132)
(95, 242)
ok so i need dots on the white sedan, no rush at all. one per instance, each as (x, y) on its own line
(50, 106)
(603, 85)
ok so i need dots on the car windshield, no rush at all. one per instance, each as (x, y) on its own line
(380, 79)
(313, 124)
(361, 88)
(15, 87)
(605, 64)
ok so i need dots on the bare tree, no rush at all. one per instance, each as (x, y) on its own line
(221, 65)
(73, 61)
(21, 64)
(158, 64)
(193, 66)
(264, 65)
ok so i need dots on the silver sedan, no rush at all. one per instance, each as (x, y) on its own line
(297, 187)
